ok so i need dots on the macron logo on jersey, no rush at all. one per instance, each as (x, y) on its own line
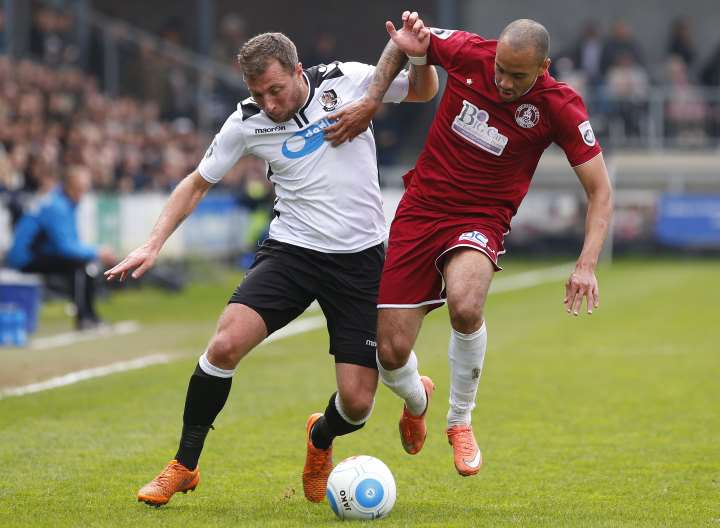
(472, 125)
(269, 130)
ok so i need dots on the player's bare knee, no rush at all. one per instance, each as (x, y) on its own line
(466, 316)
(393, 353)
(357, 406)
(223, 351)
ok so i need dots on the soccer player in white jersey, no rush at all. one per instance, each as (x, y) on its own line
(325, 243)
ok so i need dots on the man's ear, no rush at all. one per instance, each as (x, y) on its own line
(545, 65)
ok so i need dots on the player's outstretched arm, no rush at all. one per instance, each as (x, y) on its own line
(412, 39)
(582, 283)
(181, 203)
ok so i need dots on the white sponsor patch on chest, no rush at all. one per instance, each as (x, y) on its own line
(472, 125)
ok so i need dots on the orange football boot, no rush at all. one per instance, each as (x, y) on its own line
(318, 465)
(412, 428)
(173, 479)
(466, 452)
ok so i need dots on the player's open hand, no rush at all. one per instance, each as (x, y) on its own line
(581, 284)
(351, 121)
(413, 37)
(140, 260)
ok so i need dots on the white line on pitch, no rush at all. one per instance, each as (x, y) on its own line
(296, 327)
(85, 374)
(70, 338)
(529, 279)
(514, 282)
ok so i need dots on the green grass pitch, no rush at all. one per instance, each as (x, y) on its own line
(607, 420)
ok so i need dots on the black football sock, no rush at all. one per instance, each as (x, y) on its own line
(330, 425)
(206, 396)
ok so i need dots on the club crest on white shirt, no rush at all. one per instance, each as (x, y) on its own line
(587, 134)
(472, 125)
(329, 100)
(527, 115)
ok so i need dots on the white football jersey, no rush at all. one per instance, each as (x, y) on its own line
(328, 198)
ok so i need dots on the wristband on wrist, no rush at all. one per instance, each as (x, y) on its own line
(418, 61)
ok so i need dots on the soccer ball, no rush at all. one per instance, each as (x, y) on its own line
(361, 487)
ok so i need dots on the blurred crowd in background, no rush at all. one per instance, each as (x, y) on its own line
(56, 108)
(50, 118)
(611, 73)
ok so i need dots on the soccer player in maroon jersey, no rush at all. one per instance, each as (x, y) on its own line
(500, 110)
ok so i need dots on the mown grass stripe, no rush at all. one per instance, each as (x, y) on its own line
(514, 282)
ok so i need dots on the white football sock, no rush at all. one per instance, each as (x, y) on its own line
(466, 353)
(211, 370)
(405, 382)
(344, 415)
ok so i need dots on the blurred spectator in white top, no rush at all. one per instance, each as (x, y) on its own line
(566, 72)
(627, 79)
(685, 110)
(627, 87)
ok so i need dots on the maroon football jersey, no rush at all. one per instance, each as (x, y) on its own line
(481, 152)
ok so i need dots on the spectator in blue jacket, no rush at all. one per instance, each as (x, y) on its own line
(47, 242)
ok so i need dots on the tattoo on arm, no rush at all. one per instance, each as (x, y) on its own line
(413, 78)
(389, 65)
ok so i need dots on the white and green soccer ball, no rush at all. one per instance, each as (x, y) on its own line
(361, 487)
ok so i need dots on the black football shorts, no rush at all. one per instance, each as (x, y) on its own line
(284, 279)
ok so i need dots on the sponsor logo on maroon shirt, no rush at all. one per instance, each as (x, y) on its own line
(472, 124)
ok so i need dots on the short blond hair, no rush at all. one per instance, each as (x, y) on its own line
(257, 53)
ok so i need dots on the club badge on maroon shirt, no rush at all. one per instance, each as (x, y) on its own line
(527, 115)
